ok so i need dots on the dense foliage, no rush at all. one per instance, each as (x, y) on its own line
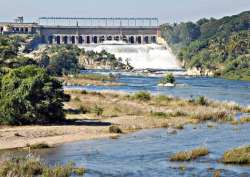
(221, 46)
(28, 95)
(61, 60)
(169, 78)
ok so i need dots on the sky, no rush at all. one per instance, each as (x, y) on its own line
(168, 11)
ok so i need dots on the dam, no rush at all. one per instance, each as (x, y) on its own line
(77, 30)
(134, 40)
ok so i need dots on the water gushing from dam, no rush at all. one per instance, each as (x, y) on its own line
(153, 56)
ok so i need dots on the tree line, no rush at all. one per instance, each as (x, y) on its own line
(218, 45)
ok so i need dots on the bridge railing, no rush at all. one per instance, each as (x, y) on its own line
(105, 22)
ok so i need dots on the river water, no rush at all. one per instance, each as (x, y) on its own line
(146, 153)
(187, 87)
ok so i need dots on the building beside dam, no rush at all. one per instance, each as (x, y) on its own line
(76, 30)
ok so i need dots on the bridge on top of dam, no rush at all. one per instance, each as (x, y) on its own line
(77, 30)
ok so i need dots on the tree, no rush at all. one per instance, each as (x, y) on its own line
(28, 95)
(63, 62)
(169, 78)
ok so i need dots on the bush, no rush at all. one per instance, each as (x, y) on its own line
(28, 95)
(142, 96)
(34, 167)
(201, 100)
(39, 146)
(115, 129)
(169, 78)
(98, 110)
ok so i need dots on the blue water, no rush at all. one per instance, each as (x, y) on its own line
(187, 87)
(147, 152)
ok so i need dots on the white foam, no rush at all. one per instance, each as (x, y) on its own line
(152, 56)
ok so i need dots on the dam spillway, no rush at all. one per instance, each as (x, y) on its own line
(153, 56)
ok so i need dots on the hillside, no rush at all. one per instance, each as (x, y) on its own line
(217, 46)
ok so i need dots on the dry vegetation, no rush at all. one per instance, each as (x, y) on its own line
(190, 155)
(237, 156)
(34, 167)
(91, 114)
(142, 110)
(90, 79)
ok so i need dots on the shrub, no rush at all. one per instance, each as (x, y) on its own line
(179, 126)
(39, 146)
(83, 110)
(237, 156)
(28, 95)
(98, 110)
(142, 96)
(190, 155)
(169, 78)
(201, 100)
(115, 129)
(159, 114)
(34, 167)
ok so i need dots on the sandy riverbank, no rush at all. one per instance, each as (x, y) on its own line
(100, 110)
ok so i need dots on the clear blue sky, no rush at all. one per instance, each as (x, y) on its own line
(166, 10)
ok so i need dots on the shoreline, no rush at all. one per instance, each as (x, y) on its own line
(127, 111)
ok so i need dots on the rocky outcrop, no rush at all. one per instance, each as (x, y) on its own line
(102, 63)
(199, 72)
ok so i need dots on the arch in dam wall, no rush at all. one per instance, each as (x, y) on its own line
(73, 39)
(80, 40)
(109, 38)
(101, 39)
(153, 39)
(138, 40)
(58, 40)
(88, 40)
(117, 38)
(65, 39)
(146, 39)
(131, 40)
(50, 39)
(95, 39)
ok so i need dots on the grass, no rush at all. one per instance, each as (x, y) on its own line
(179, 127)
(115, 129)
(141, 96)
(97, 110)
(190, 155)
(96, 77)
(201, 100)
(239, 155)
(245, 119)
(143, 110)
(39, 146)
(159, 114)
(35, 167)
(212, 116)
(90, 79)
(217, 173)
